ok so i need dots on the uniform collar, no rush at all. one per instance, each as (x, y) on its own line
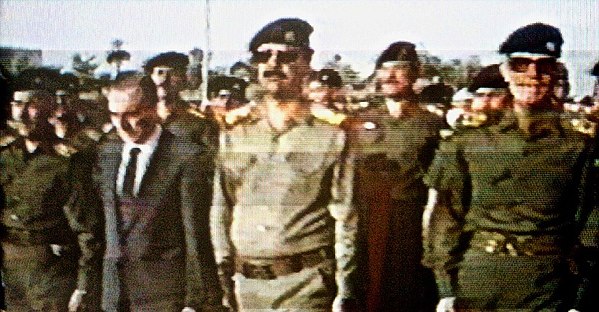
(534, 126)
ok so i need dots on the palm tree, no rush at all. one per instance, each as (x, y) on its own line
(116, 57)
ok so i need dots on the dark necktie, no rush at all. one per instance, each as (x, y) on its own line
(130, 171)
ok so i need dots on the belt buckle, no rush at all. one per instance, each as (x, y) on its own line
(256, 271)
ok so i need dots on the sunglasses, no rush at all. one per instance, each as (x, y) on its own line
(543, 65)
(283, 57)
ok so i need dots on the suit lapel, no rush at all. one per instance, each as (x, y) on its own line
(160, 171)
(110, 159)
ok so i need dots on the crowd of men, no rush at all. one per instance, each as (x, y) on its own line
(296, 199)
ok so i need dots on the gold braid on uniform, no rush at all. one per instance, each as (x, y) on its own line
(328, 116)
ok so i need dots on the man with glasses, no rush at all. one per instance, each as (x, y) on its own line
(282, 220)
(508, 200)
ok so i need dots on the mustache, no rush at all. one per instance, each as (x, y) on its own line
(274, 73)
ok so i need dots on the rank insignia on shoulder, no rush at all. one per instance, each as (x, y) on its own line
(6, 140)
(584, 126)
(237, 115)
(328, 115)
(93, 134)
(446, 133)
(64, 150)
(196, 113)
(474, 120)
(369, 125)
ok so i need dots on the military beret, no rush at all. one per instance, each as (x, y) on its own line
(400, 51)
(435, 93)
(169, 59)
(488, 77)
(537, 38)
(595, 71)
(225, 85)
(327, 77)
(289, 31)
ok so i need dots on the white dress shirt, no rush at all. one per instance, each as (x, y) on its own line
(143, 161)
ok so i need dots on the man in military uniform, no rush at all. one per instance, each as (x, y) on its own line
(227, 100)
(40, 250)
(394, 143)
(324, 89)
(165, 78)
(282, 219)
(508, 200)
(491, 95)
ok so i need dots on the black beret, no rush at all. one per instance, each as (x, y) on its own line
(400, 51)
(235, 86)
(488, 77)
(595, 71)
(169, 59)
(436, 93)
(534, 38)
(290, 31)
(328, 77)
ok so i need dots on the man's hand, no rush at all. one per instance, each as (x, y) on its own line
(341, 304)
(446, 305)
(225, 274)
(76, 300)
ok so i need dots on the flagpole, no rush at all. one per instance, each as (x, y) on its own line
(207, 56)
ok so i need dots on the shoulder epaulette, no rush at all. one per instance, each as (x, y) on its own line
(237, 115)
(474, 120)
(445, 134)
(93, 134)
(328, 115)
(6, 140)
(64, 150)
(584, 126)
(196, 113)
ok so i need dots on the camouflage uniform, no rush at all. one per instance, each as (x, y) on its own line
(282, 214)
(508, 208)
(393, 154)
(40, 248)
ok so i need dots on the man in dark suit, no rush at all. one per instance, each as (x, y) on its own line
(156, 191)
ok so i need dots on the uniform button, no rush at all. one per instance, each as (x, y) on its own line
(14, 217)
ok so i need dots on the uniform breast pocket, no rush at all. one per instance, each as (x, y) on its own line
(236, 164)
(306, 162)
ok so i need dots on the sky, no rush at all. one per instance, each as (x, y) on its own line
(356, 29)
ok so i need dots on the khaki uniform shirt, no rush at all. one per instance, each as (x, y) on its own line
(283, 193)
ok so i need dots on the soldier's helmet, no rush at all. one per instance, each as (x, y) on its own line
(537, 38)
(293, 32)
(326, 77)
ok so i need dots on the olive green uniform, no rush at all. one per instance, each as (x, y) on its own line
(36, 187)
(393, 155)
(508, 212)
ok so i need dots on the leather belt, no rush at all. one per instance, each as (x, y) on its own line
(271, 268)
(517, 244)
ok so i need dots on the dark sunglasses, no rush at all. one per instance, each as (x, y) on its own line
(544, 65)
(283, 57)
